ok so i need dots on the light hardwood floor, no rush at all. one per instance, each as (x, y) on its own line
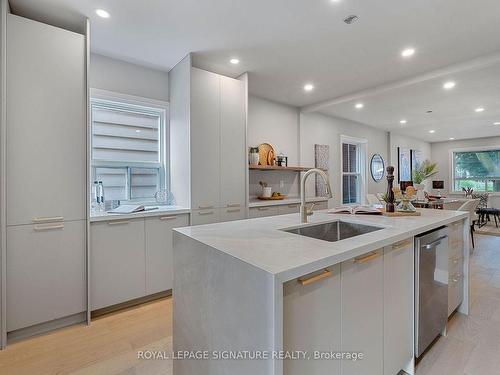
(110, 345)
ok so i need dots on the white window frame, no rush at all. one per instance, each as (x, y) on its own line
(451, 166)
(362, 147)
(164, 137)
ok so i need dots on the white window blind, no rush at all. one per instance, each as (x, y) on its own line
(128, 149)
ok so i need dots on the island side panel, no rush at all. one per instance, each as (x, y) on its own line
(220, 304)
(465, 305)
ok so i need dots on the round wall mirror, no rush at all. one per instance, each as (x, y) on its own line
(377, 167)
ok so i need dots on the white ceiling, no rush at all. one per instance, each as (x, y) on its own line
(286, 43)
(453, 111)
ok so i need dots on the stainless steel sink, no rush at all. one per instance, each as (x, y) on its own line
(333, 231)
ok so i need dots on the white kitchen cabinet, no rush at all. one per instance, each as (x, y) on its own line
(312, 320)
(232, 213)
(362, 313)
(323, 205)
(398, 306)
(159, 251)
(46, 122)
(200, 217)
(205, 139)
(455, 266)
(284, 209)
(46, 272)
(263, 211)
(233, 156)
(117, 262)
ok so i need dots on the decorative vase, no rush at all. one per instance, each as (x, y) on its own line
(253, 156)
(420, 191)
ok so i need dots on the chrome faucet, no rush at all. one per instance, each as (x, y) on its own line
(304, 211)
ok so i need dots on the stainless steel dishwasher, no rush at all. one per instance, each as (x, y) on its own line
(431, 287)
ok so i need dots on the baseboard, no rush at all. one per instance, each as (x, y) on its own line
(42, 328)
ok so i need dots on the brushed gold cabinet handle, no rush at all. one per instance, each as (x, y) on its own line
(366, 258)
(309, 280)
(40, 228)
(168, 217)
(207, 207)
(47, 219)
(263, 208)
(293, 205)
(234, 210)
(205, 213)
(118, 222)
(233, 205)
(401, 244)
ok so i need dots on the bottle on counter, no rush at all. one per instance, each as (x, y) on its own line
(94, 199)
(100, 194)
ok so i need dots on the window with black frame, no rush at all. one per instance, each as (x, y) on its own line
(478, 169)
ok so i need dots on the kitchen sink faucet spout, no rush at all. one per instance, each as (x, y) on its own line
(304, 211)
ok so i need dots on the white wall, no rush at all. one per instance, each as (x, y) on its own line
(398, 140)
(316, 128)
(441, 154)
(120, 76)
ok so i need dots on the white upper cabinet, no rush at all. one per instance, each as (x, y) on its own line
(205, 139)
(46, 122)
(233, 143)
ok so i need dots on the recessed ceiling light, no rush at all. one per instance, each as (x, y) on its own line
(432, 131)
(403, 121)
(496, 123)
(308, 87)
(102, 13)
(451, 139)
(479, 109)
(408, 52)
(234, 61)
(359, 105)
(449, 85)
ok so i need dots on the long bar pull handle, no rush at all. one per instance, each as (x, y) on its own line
(263, 208)
(168, 217)
(401, 244)
(48, 219)
(40, 228)
(234, 210)
(205, 213)
(233, 205)
(323, 275)
(118, 222)
(206, 207)
(430, 245)
(366, 258)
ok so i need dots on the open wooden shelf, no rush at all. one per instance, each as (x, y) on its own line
(276, 168)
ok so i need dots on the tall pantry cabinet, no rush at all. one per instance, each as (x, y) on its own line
(46, 174)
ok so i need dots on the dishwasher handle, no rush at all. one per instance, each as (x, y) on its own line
(436, 242)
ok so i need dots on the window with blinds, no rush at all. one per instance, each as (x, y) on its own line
(351, 173)
(128, 149)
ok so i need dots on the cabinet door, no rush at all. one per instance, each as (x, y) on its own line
(46, 122)
(362, 313)
(205, 139)
(117, 262)
(288, 209)
(323, 205)
(312, 321)
(159, 249)
(46, 272)
(398, 306)
(233, 143)
(200, 217)
(263, 211)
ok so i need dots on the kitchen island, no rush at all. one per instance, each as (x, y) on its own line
(249, 295)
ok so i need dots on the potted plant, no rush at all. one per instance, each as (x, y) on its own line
(425, 171)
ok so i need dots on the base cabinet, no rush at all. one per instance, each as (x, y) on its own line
(455, 266)
(117, 262)
(312, 332)
(46, 277)
(159, 251)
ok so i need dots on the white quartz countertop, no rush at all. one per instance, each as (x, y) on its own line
(255, 202)
(159, 211)
(261, 242)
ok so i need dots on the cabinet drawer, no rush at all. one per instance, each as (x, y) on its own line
(456, 231)
(159, 251)
(117, 262)
(263, 211)
(312, 320)
(456, 249)
(455, 292)
(232, 213)
(209, 216)
(320, 206)
(46, 272)
(288, 209)
(455, 265)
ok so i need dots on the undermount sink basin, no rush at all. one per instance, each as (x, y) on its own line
(333, 231)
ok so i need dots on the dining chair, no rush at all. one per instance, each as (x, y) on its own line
(470, 206)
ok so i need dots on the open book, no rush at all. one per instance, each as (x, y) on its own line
(365, 210)
(130, 209)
